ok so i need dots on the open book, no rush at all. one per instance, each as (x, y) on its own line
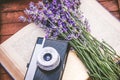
(15, 52)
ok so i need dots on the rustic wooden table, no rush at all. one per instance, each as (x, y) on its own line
(10, 10)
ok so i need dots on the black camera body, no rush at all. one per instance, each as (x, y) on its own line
(48, 60)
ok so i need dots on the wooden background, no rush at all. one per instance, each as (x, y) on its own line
(10, 10)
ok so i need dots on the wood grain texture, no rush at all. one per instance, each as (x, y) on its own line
(110, 5)
(10, 17)
(104, 0)
(15, 5)
(116, 15)
(4, 37)
(3, 75)
(11, 28)
(119, 6)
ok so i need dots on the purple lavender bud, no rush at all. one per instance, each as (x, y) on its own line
(65, 29)
(54, 2)
(32, 6)
(51, 6)
(29, 20)
(44, 22)
(69, 37)
(47, 35)
(40, 4)
(45, 1)
(64, 24)
(34, 17)
(22, 18)
(27, 12)
(59, 22)
(71, 4)
(88, 28)
(87, 25)
(63, 17)
(55, 34)
(71, 22)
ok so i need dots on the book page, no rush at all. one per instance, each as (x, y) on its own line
(20, 46)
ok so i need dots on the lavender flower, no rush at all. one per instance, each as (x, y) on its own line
(71, 5)
(52, 14)
(55, 18)
(22, 18)
(40, 5)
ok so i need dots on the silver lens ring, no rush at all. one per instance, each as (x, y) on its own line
(48, 59)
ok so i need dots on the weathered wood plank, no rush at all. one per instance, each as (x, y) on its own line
(3, 75)
(110, 5)
(104, 0)
(119, 7)
(2, 71)
(116, 14)
(10, 17)
(15, 5)
(11, 28)
(119, 3)
(4, 37)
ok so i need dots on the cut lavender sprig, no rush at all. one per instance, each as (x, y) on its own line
(61, 19)
(22, 18)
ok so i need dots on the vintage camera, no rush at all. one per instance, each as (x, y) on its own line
(48, 60)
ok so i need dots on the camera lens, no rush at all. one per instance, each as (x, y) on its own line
(47, 57)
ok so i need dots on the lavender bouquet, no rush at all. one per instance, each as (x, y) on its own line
(61, 19)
